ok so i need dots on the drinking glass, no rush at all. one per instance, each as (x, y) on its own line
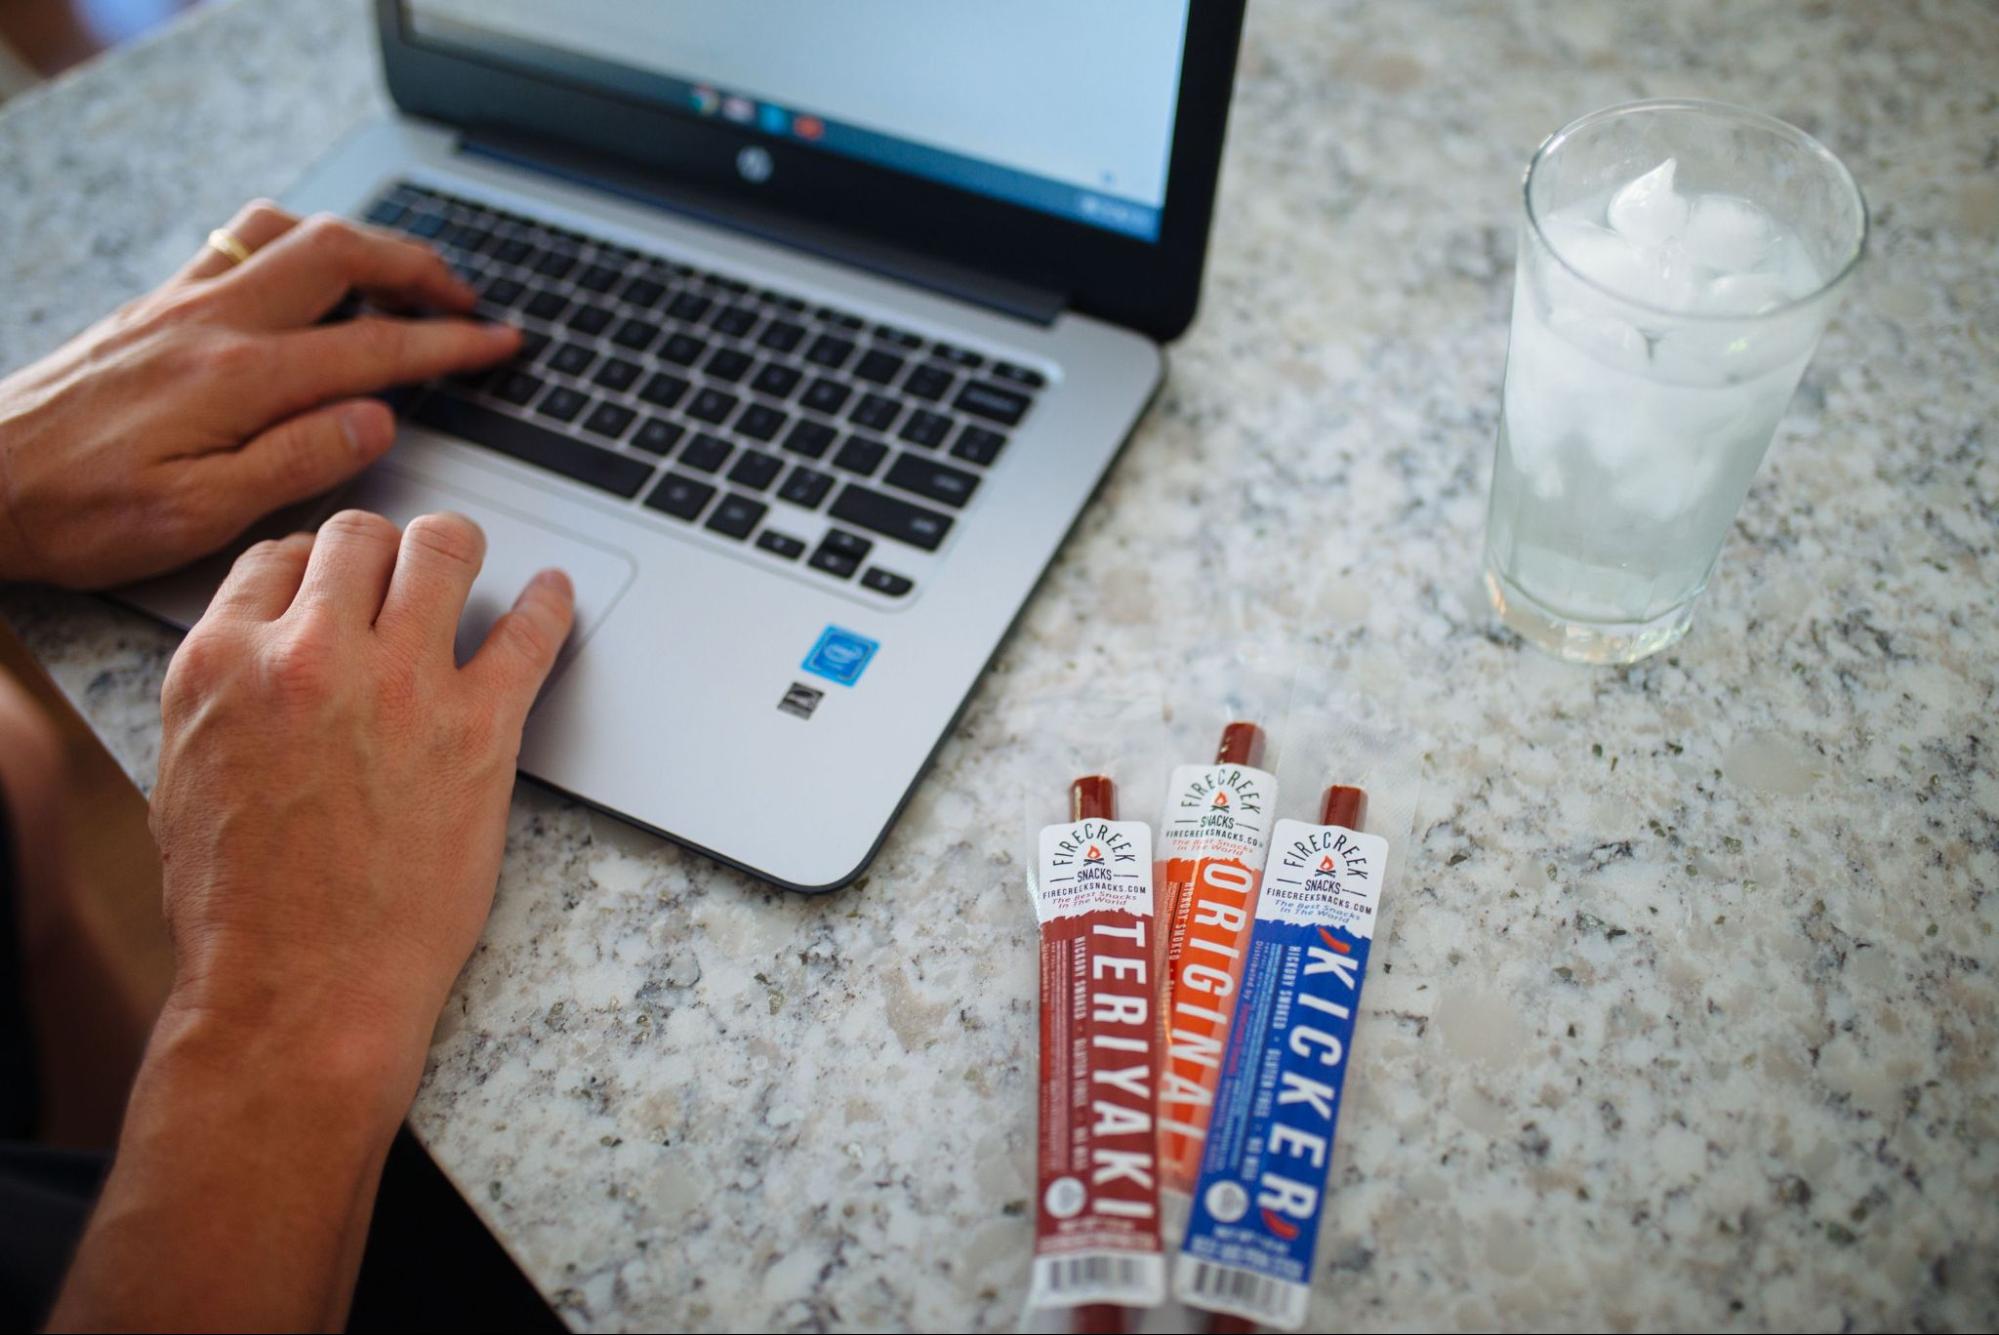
(1678, 261)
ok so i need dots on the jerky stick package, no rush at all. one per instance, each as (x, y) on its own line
(1262, 1196)
(1214, 833)
(1098, 1251)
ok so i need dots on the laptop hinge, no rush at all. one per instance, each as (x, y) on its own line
(565, 162)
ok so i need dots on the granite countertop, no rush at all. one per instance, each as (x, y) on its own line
(1688, 1009)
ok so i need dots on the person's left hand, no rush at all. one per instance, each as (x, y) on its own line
(167, 428)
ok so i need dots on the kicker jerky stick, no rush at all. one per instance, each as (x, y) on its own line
(1096, 1226)
(1257, 1208)
(1212, 838)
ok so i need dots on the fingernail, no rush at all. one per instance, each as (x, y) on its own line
(554, 580)
(499, 331)
(359, 422)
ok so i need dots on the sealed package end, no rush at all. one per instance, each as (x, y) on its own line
(1260, 1197)
(1096, 1233)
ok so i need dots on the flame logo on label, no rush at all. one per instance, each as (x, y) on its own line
(1221, 797)
(1335, 942)
(1326, 863)
(1279, 1225)
(1094, 855)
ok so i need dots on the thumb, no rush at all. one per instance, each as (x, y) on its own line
(305, 455)
(520, 649)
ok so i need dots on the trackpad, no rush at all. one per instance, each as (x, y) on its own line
(516, 548)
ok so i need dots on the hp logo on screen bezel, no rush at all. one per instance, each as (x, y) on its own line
(753, 164)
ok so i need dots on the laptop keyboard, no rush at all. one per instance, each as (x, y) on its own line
(801, 432)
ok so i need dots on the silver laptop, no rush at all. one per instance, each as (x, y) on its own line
(836, 315)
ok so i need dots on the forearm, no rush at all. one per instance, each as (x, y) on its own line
(243, 1184)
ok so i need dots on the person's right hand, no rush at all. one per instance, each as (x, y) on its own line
(333, 787)
(168, 427)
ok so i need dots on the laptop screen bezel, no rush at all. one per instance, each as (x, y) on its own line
(1149, 286)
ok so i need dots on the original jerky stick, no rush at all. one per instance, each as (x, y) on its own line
(1213, 839)
(1261, 1195)
(1096, 1228)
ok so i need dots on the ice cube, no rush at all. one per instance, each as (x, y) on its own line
(1663, 275)
(1728, 234)
(1744, 294)
(1604, 337)
(1648, 211)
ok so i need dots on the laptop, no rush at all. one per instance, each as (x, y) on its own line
(836, 316)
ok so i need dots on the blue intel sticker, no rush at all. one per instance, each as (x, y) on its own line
(840, 655)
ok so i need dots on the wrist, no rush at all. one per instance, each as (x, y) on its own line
(280, 1046)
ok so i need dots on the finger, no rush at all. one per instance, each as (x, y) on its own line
(521, 647)
(257, 224)
(305, 273)
(348, 572)
(440, 557)
(301, 456)
(374, 352)
(264, 580)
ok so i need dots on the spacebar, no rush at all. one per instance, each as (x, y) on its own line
(531, 444)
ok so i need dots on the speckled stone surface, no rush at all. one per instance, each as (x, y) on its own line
(1687, 1008)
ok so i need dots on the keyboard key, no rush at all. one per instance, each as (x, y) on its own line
(689, 307)
(860, 455)
(887, 581)
(733, 286)
(502, 292)
(782, 544)
(976, 444)
(809, 439)
(706, 453)
(664, 389)
(781, 335)
(926, 477)
(533, 344)
(878, 366)
(840, 319)
(555, 264)
(760, 421)
(638, 335)
(592, 320)
(643, 293)
(513, 250)
(546, 305)
(658, 436)
(876, 412)
(829, 352)
(756, 470)
(928, 382)
(902, 338)
(680, 496)
(517, 386)
(737, 515)
(1019, 375)
(840, 553)
(571, 359)
(617, 374)
(945, 352)
(925, 428)
(806, 487)
(775, 380)
(890, 517)
(711, 405)
(824, 396)
(562, 403)
(425, 224)
(610, 419)
(729, 364)
(597, 278)
(735, 321)
(682, 347)
(987, 400)
(383, 213)
(616, 473)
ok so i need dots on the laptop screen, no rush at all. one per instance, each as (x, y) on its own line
(1055, 105)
